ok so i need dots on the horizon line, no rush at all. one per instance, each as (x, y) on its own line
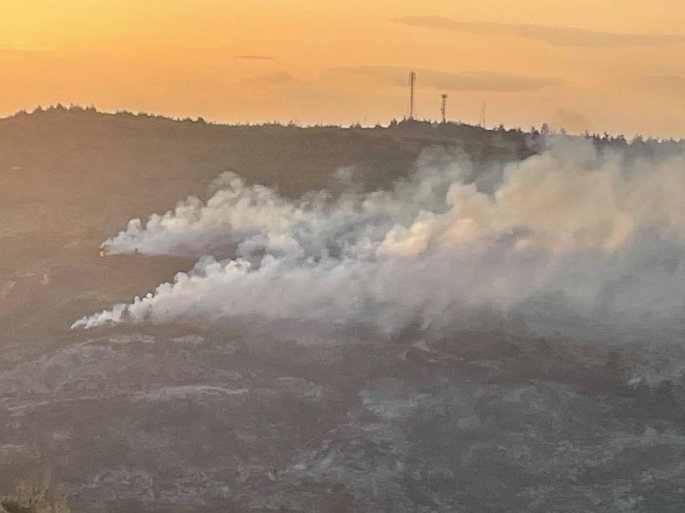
(294, 123)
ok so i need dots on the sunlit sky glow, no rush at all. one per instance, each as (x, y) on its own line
(616, 65)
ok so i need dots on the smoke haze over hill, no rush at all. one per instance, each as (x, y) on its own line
(599, 229)
(418, 317)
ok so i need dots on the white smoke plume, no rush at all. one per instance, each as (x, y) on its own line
(600, 230)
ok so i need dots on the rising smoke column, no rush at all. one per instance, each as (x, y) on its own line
(599, 229)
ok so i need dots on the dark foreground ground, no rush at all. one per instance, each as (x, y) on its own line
(496, 418)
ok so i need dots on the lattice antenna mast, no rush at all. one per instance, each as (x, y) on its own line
(482, 114)
(443, 108)
(412, 87)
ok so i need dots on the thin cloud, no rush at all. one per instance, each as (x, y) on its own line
(460, 81)
(254, 57)
(275, 78)
(556, 36)
(26, 48)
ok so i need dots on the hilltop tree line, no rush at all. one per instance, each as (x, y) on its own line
(534, 133)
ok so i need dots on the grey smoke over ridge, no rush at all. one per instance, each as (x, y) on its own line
(261, 219)
(602, 231)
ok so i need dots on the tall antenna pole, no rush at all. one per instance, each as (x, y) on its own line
(482, 114)
(443, 108)
(412, 85)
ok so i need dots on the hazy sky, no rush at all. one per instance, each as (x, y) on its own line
(617, 65)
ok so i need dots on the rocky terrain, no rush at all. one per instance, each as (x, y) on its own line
(156, 421)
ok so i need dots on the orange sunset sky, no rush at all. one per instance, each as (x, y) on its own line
(615, 65)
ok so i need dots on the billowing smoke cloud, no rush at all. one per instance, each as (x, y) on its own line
(597, 230)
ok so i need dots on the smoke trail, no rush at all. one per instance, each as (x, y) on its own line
(261, 220)
(598, 229)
